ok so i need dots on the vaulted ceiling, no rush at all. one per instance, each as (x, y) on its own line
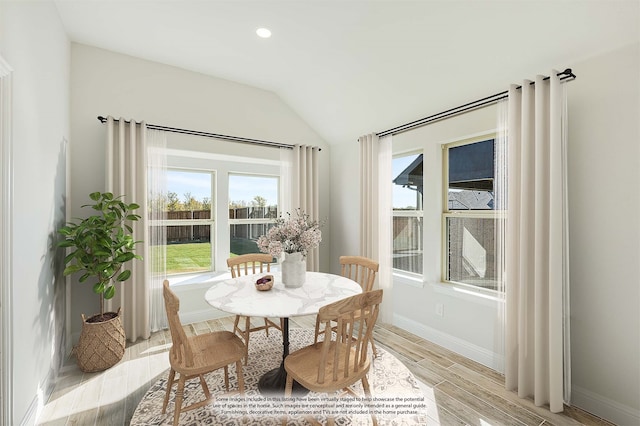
(352, 67)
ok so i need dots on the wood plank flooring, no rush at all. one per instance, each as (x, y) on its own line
(458, 391)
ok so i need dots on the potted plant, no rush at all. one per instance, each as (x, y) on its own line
(100, 245)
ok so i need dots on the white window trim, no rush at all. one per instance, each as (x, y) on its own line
(261, 220)
(408, 278)
(228, 166)
(188, 222)
(446, 213)
(6, 244)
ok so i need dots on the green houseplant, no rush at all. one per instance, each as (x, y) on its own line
(99, 247)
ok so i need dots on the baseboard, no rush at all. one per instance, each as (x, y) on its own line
(474, 352)
(604, 407)
(31, 416)
(37, 404)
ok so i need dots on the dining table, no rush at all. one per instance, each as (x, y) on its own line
(241, 297)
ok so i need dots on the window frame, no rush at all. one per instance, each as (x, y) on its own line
(197, 222)
(472, 214)
(253, 221)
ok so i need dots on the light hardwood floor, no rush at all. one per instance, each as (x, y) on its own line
(458, 391)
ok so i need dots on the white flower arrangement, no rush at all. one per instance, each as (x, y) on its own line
(297, 234)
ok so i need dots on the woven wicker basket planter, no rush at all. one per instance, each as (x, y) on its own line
(101, 344)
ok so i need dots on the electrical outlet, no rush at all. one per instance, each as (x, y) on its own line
(439, 309)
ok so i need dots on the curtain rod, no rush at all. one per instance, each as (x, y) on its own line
(567, 74)
(213, 135)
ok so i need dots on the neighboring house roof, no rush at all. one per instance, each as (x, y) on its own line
(470, 200)
(471, 166)
(411, 176)
(471, 170)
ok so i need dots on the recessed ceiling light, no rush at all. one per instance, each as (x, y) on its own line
(263, 32)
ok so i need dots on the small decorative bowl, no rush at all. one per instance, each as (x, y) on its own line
(265, 283)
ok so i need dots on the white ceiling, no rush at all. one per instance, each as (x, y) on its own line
(353, 67)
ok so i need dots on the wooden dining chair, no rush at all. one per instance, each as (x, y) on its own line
(341, 360)
(245, 264)
(363, 271)
(195, 356)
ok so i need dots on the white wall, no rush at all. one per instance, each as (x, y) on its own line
(415, 302)
(106, 83)
(34, 44)
(470, 323)
(604, 167)
(345, 202)
(604, 201)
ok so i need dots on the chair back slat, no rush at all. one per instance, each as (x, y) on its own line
(360, 269)
(347, 347)
(252, 263)
(181, 348)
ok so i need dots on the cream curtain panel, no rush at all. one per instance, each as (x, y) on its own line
(376, 212)
(299, 187)
(536, 335)
(127, 175)
(157, 235)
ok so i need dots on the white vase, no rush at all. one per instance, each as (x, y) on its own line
(294, 270)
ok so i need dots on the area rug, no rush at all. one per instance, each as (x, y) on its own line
(397, 399)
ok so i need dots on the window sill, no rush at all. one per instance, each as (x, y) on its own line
(413, 280)
(204, 277)
(469, 293)
(195, 278)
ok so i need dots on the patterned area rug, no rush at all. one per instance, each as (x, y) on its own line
(396, 396)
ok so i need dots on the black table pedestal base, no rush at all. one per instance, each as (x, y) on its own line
(273, 382)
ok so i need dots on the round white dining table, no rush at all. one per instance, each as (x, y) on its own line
(239, 296)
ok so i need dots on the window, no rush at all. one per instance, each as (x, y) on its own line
(253, 205)
(470, 219)
(187, 220)
(407, 213)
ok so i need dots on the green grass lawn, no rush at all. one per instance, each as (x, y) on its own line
(193, 257)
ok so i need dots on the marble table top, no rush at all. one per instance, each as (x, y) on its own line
(239, 295)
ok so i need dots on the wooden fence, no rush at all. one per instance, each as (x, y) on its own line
(178, 234)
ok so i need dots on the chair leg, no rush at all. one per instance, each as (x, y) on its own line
(205, 388)
(367, 392)
(317, 332)
(240, 375)
(247, 333)
(373, 348)
(235, 324)
(179, 397)
(172, 375)
(226, 377)
(287, 394)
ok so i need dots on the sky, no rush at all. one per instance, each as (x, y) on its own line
(245, 188)
(402, 197)
(241, 187)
